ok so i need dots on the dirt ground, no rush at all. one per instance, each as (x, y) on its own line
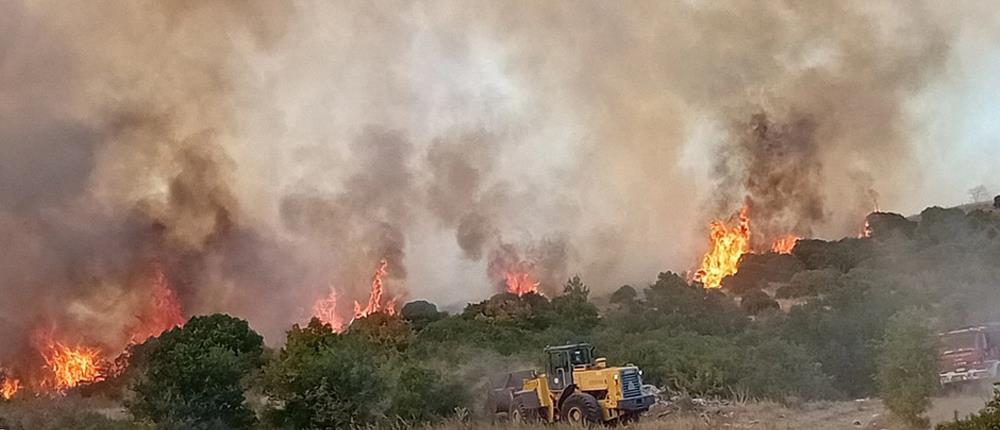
(868, 414)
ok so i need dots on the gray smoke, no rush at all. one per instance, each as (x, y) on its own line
(264, 153)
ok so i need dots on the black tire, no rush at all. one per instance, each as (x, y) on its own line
(629, 418)
(521, 414)
(580, 409)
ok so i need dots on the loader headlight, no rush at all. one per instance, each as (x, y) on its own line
(555, 380)
(616, 376)
(640, 372)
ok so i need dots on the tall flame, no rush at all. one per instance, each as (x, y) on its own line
(9, 387)
(520, 280)
(375, 303)
(728, 244)
(784, 244)
(326, 310)
(162, 313)
(71, 365)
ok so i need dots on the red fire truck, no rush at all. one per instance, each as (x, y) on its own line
(970, 354)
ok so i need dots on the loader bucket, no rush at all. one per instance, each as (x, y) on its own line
(502, 390)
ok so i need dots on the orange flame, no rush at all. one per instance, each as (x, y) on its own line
(9, 387)
(784, 244)
(71, 366)
(326, 310)
(728, 244)
(375, 303)
(162, 313)
(520, 280)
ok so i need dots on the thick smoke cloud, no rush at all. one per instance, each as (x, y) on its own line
(262, 153)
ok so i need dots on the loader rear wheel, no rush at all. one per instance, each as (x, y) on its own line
(581, 409)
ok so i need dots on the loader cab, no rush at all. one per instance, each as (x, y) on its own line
(561, 360)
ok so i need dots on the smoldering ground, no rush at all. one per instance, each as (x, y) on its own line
(264, 153)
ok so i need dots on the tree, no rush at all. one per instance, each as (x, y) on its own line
(193, 378)
(420, 313)
(907, 367)
(626, 295)
(979, 193)
(323, 380)
(576, 289)
(572, 311)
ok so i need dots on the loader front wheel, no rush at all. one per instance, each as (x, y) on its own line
(581, 409)
(521, 413)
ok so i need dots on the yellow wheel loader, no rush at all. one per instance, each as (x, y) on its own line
(577, 387)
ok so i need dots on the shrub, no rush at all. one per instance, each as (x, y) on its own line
(757, 301)
(907, 367)
(986, 419)
(193, 375)
(423, 395)
(809, 283)
(323, 380)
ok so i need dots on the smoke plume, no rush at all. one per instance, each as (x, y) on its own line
(260, 154)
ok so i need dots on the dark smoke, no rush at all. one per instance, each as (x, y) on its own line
(778, 166)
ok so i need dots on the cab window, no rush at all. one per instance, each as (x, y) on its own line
(557, 360)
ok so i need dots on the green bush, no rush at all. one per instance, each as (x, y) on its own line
(423, 395)
(757, 301)
(624, 295)
(322, 380)
(571, 310)
(986, 419)
(193, 378)
(907, 367)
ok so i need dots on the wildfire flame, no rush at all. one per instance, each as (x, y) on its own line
(9, 387)
(71, 365)
(520, 280)
(375, 303)
(161, 314)
(728, 244)
(326, 310)
(784, 244)
(866, 231)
